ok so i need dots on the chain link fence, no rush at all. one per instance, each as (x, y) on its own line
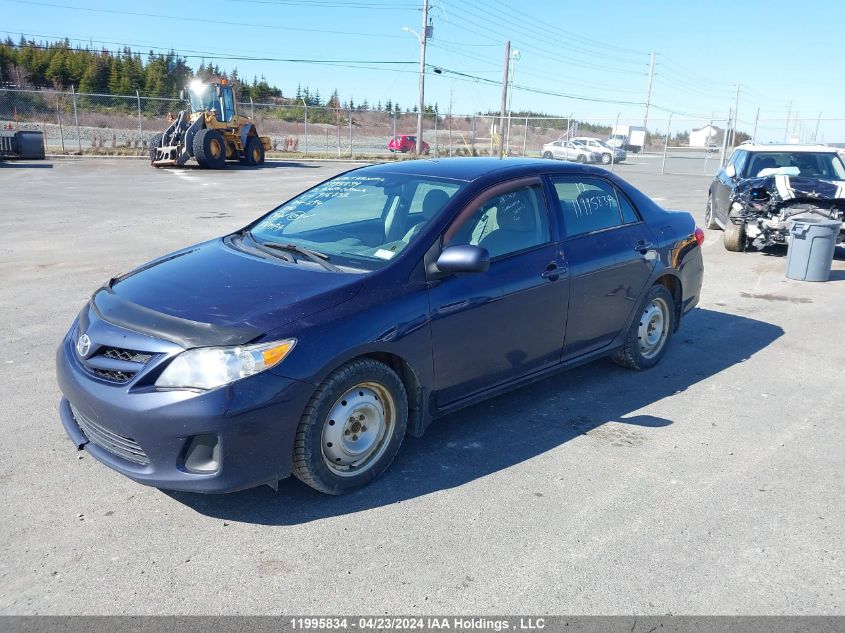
(79, 123)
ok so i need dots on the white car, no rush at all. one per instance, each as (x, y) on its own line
(607, 153)
(567, 150)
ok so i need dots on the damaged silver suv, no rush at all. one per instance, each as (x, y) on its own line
(763, 188)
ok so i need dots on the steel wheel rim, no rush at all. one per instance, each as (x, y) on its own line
(358, 429)
(654, 328)
(605, 159)
(215, 148)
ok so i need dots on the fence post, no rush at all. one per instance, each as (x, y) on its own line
(251, 109)
(472, 141)
(76, 119)
(666, 144)
(140, 131)
(59, 119)
(525, 137)
(306, 128)
(394, 128)
(450, 130)
(337, 118)
(435, 134)
(350, 131)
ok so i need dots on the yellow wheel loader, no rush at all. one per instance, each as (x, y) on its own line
(212, 132)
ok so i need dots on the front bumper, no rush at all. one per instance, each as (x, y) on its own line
(252, 421)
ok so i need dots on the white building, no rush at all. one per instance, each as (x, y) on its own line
(704, 136)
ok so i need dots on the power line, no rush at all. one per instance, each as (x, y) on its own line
(195, 19)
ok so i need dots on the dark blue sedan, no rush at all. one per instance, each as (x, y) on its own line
(313, 340)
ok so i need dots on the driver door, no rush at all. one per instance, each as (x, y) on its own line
(493, 327)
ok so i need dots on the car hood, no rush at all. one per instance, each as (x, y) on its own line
(215, 294)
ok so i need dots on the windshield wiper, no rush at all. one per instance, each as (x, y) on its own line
(315, 256)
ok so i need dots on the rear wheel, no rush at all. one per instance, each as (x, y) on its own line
(254, 151)
(547, 155)
(734, 237)
(155, 143)
(648, 336)
(352, 428)
(210, 149)
(710, 213)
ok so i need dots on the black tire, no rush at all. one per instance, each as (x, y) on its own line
(253, 151)
(581, 158)
(734, 237)
(633, 354)
(710, 214)
(547, 155)
(605, 159)
(311, 458)
(210, 149)
(155, 143)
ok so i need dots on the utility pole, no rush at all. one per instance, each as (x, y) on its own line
(423, 38)
(816, 133)
(504, 98)
(648, 95)
(756, 119)
(786, 130)
(736, 117)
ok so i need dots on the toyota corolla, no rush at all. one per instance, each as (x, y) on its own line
(313, 340)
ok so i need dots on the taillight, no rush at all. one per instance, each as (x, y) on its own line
(699, 236)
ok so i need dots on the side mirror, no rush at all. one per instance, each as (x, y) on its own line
(463, 259)
(182, 95)
(730, 171)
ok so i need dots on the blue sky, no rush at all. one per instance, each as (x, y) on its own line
(780, 53)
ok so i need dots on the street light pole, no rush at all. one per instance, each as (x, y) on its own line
(515, 55)
(422, 39)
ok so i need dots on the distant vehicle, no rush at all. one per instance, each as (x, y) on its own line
(567, 150)
(628, 137)
(607, 153)
(212, 131)
(405, 143)
(313, 340)
(763, 189)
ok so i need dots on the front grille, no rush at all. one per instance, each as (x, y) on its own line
(116, 364)
(114, 443)
(111, 374)
(131, 355)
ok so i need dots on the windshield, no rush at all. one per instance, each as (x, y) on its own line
(202, 97)
(360, 219)
(809, 164)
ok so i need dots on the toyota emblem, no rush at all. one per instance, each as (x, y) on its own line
(83, 346)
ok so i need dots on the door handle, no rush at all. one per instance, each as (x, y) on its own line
(552, 272)
(642, 246)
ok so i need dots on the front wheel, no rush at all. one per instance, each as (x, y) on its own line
(210, 149)
(547, 155)
(352, 428)
(648, 336)
(710, 213)
(254, 151)
(581, 158)
(605, 159)
(734, 236)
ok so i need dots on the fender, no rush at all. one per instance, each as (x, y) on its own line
(247, 130)
(188, 147)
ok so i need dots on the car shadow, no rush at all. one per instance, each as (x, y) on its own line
(16, 165)
(517, 426)
(271, 164)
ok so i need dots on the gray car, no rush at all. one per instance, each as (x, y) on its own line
(567, 150)
(607, 153)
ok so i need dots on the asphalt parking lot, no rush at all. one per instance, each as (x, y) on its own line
(712, 484)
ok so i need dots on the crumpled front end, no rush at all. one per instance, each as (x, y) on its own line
(769, 205)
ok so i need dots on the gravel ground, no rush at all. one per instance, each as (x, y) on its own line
(712, 484)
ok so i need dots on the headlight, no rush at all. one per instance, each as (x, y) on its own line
(210, 367)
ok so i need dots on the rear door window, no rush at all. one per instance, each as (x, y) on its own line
(592, 204)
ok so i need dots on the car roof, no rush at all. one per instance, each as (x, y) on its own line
(784, 147)
(469, 169)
